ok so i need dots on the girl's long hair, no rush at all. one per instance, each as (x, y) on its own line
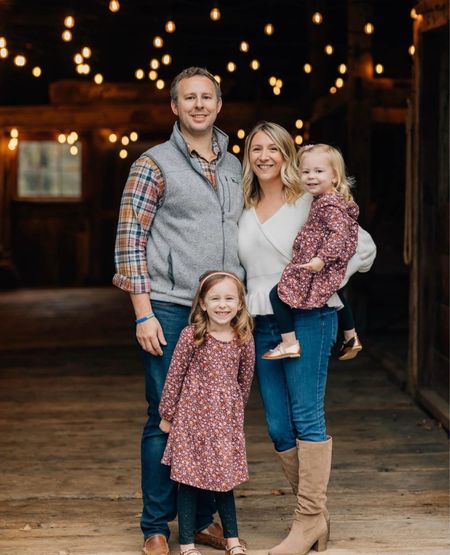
(290, 176)
(344, 182)
(242, 323)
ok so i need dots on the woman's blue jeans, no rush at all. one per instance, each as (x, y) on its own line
(159, 492)
(293, 389)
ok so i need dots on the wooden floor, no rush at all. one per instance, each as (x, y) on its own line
(71, 413)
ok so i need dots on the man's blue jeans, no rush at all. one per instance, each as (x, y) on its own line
(293, 390)
(159, 492)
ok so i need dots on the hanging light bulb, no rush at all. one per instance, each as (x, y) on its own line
(369, 28)
(276, 91)
(134, 136)
(339, 82)
(139, 74)
(158, 42)
(123, 153)
(160, 84)
(215, 14)
(61, 138)
(166, 59)
(307, 68)
(279, 83)
(333, 90)
(269, 29)
(231, 66)
(2, 42)
(66, 35)
(236, 149)
(114, 6)
(379, 68)
(218, 78)
(255, 64)
(317, 18)
(244, 46)
(154, 63)
(20, 60)
(241, 133)
(14, 133)
(12, 144)
(298, 139)
(86, 52)
(413, 13)
(412, 50)
(3, 52)
(272, 81)
(98, 78)
(36, 71)
(153, 75)
(73, 150)
(329, 49)
(299, 123)
(170, 26)
(125, 140)
(78, 58)
(342, 69)
(69, 22)
(112, 138)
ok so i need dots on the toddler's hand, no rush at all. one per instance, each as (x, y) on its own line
(165, 426)
(314, 265)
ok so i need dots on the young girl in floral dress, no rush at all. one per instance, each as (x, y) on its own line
(322, 248)
(202, 405)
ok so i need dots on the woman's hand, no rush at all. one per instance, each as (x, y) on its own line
(165, 426)
(314, 265)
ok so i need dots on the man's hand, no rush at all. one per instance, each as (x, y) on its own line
(150, 336)
(314, 265)
(165, 426)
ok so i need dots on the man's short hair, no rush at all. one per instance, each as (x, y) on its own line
(192, 72)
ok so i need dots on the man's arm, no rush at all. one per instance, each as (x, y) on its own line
(142, 195)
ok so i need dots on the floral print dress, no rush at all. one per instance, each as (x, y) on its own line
(204, 396)
(330, 233)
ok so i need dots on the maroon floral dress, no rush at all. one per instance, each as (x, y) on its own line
(330, 233)
(204, 396)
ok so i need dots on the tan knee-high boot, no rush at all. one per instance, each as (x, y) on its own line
(309, 529)
(289, 463)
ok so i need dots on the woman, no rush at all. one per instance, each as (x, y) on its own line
(292, 389)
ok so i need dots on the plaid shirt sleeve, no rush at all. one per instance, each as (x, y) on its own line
(143, 193)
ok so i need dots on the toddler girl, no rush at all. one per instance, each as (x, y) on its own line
(202, 405)
(323, 246)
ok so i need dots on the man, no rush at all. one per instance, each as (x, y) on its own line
(178, 219)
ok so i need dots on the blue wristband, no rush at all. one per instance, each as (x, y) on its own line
(144, 318)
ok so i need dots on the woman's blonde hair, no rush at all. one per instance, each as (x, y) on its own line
(290, 176)
(242, 323)
(344, 181)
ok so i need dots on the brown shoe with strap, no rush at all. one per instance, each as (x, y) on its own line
(156, 545)
(350, 349)
(214, 538)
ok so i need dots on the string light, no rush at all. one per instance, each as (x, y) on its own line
(72, 138)
(218, 78)
(299, 123)
(153, 75)
(272, 81)
(215, 14)
(12, 144)
(86, 52)
(412, 50)
(413, 13)
(241, 133)
(333, 90)
(254, 64)
(112, 138)
(339, 82)
(61, 138)
(36, 71)
(14, 133)
(244, 46)
(170, 26)
(158, 42)
(236, 149)
(20, 60)
(279, 83)
(307, 68)
(98, 78)
(69, 22)
(125, 140)
(166, 59)
(134, 136)
(123, 153)
(298, 139)
(231, 66)
(154, 63)
(2, 42)
(342, 68)
(73, 150)
(139, 74)
(160, 84)
(369, 28)
(329, 49)
(114, 6)
(276, 91)
(379, 69)
(78, 58)
(317, 18)
(66, 35)
(269, 29)
(3, 52)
